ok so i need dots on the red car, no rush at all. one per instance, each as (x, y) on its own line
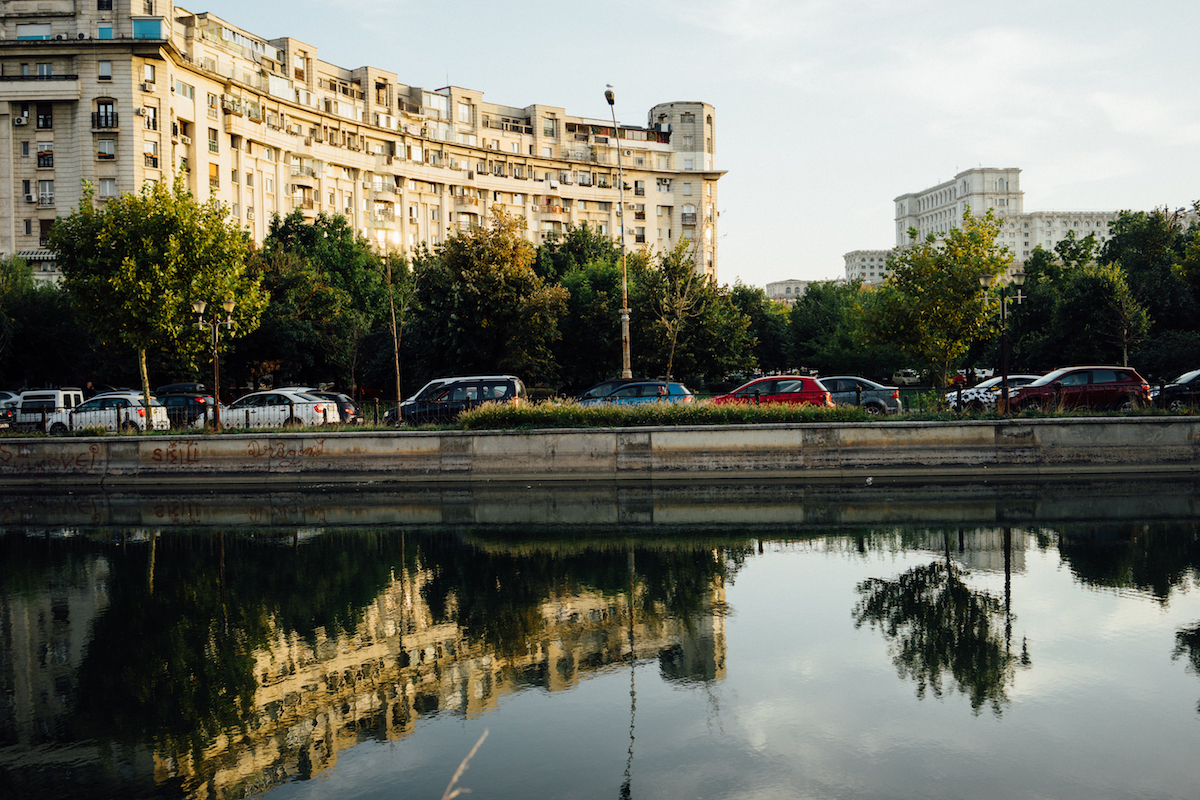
(798, 389)
(1084, 387)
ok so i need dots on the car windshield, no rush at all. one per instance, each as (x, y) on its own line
(429, 391)
(1050, 377)
(989, 383)
(1187, 377)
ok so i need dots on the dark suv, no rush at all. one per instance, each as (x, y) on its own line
(1084, 387)
(444, 399)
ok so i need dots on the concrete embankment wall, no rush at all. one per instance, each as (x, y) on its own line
(976, 450)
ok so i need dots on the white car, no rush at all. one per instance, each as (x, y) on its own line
(906, 377)
(278, 408)
(112, 411)
(982, 396)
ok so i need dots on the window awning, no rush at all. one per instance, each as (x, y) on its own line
(36, 255)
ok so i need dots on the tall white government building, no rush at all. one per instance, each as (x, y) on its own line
(122, 92)
(940, 208)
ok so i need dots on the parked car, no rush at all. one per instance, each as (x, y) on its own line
(277, 408)
(8, 415)
(35, 408)
(443, 399)
(906, 377)
(605, 387)
(349, 412)
(111, 411)
(189, 410)
(875, 398)
(1084, 387)
(799, 389)
(1179, 394)
(640, 392)
(982, 396)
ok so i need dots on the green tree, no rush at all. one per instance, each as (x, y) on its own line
(329, 293)
(826, 334)
(483, 308)
(16, 281)
(590, 348)
(683, 323)
(1096, 317)
(768, 326)
(137, 263)
(932, 305)
(576, 248)
(1153, 250)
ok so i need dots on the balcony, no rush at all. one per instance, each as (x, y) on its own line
(106, 156)
(689, 219)
(151, 161)
(384, 215)
(45, 200)
(640, 238)
(45, 160)
(213, 147)
(151, 123)
(298, 170)
(104, 120)
(304, 203)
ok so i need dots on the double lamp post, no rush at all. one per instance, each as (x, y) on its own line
(215, 325)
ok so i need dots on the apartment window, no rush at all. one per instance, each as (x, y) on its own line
(185, 90)
(233, 176)
(464, 112)
(106, 149)
(548, 126)
(688, 164)
(151, 151)
(687, 189)
(45, 70)
(639, 188)
(250, 182)
(148, 73)
(44, 226)
(687, 117)
(105, 71)
(147, 29)
(150, 117)
(548, 152)
(106, 188)
(45, 193)
(236, 210)
(28, 227)
(45, 116)
(687, 141)
(104, 5)
(214, 177)
(269, 185)
(24, 70)
(45, 154)
(213, 147)
(104, 32)
(25, 149)
(34, 30)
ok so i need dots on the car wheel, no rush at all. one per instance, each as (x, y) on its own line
(129, 427)
(291, 422)
(873, 409)
(975, 407)
(58, 429)
(1177, 405)
(1130, 404)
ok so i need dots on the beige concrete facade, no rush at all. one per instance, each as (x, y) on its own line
(129, 95)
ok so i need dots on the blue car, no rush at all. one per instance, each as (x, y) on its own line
(643, 392)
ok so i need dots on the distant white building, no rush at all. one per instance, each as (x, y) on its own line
(787, 291)
(940, 208)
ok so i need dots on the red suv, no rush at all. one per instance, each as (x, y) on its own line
(1084, 387)
(779, 389)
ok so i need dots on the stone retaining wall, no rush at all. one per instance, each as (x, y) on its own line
(974, 450)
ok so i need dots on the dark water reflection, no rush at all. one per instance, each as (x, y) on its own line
(613, 658)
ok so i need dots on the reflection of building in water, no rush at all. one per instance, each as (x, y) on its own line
(980, 548)
(317, 699)
(43, 636)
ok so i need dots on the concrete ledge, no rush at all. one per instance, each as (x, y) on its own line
(975, 450)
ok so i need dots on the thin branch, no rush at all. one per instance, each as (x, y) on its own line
(451, 792)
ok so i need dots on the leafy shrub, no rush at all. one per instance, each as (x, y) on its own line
(569, 414)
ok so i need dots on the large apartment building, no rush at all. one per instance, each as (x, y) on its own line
(939, 208)
(121, 92)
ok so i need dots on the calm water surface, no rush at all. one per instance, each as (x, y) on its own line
(1031, 649)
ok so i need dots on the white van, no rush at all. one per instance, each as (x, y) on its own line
(37, 406)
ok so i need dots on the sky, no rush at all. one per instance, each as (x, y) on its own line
(826, 110)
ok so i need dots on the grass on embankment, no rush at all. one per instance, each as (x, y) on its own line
(550, 414)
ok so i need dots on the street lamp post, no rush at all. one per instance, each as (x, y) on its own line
(626, 372)
(1018, 280)
(215, 326)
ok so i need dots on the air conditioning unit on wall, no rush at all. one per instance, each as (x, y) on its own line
(147, 87)
(19, 121)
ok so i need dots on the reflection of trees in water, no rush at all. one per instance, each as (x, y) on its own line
(938, 627)
(1187, 644)
(1153, 559)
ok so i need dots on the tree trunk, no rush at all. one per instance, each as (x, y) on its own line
(145, 382)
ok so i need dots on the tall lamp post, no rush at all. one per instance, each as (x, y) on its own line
(625, 370)
(215, 325)
(1018, 280)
